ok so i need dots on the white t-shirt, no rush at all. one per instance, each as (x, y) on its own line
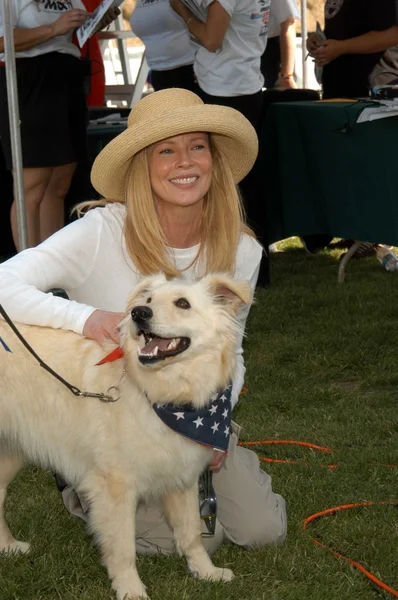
(234, 69)
(27, 14)
(281, 10)
(167, 41)
(89, 260)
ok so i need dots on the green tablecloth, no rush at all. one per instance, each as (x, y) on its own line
(323, 173)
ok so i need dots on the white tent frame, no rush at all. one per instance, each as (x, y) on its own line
(15, 124)
(13, 111)
(304, 34)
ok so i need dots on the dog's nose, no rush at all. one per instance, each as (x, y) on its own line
(140, 314)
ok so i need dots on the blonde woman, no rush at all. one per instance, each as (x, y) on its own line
(171, 204)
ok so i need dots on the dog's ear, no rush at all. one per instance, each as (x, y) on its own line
(228, 291)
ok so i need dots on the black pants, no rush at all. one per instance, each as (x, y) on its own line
(181, 77)
(271, 62)
(250, 106)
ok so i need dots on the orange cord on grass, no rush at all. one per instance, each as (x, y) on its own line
(351, 562)
(287, 442)
(328, 511)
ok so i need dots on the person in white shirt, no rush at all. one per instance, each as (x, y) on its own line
(277, 62)
(171, 205)
(169, 49)
(52, 107)
(232, 40)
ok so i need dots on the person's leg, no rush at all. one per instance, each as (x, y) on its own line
(248, 509)
(153, 535)
(35, 183)
(52, 205)
(271, 62)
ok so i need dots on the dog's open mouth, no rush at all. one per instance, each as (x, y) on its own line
(157, 348)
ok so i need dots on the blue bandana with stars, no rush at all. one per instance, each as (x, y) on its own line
(209, 426)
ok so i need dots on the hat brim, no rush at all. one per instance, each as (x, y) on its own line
(231, 132)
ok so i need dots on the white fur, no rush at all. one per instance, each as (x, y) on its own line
(117, 454)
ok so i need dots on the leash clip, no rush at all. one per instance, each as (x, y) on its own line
(113, 395)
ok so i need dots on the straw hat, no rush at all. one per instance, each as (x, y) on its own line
(165, 114)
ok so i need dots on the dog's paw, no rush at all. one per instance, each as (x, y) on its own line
(15, 547)
(132, 592)
(144, 596)
(219, 574)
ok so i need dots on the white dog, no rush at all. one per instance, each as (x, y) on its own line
(178, 341)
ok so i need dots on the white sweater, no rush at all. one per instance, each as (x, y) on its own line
(89, 260)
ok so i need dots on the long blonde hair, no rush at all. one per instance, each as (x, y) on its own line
(223, 220)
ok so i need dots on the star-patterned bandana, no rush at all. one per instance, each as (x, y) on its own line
(209, 426)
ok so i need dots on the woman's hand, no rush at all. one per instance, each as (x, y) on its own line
(70, 20)
(102, 325)
(313, 43)
(286, 83)
(108, 18)
(217, 461)
(328, 51)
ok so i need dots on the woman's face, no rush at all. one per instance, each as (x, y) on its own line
(180, 169)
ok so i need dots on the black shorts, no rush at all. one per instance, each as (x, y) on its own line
(52, 110)
(180, 77)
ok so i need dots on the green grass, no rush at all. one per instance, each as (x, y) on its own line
(322, 366)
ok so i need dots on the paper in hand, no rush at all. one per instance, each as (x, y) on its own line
(89, 26)
(321, 36)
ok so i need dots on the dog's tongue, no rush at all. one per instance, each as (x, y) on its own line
(161, 343)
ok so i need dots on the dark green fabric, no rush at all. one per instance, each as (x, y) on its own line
(316, 178)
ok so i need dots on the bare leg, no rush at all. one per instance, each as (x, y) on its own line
(35, 184)
(9, 467)
(52, 206)
(182, 512)
(112, 521)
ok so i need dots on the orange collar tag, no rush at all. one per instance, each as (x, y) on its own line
(114, 355)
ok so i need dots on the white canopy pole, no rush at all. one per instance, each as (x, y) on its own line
(304, 34)
(13, 113)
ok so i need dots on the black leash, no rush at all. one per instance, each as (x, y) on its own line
(75, 391)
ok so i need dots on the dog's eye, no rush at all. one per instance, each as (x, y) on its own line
(182, 303)
(149, 300)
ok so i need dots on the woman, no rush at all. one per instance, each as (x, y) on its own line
(360, 53)
(52, 106)
(169, 49)
(278, 60)
(232, 40)
(171, 205)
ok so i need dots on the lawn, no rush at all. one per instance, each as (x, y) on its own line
(322, 367)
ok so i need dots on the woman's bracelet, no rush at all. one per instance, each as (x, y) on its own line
(286, 75)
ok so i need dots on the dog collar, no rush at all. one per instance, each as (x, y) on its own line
(209, 426)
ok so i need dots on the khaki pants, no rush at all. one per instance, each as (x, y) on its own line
(249, 513)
